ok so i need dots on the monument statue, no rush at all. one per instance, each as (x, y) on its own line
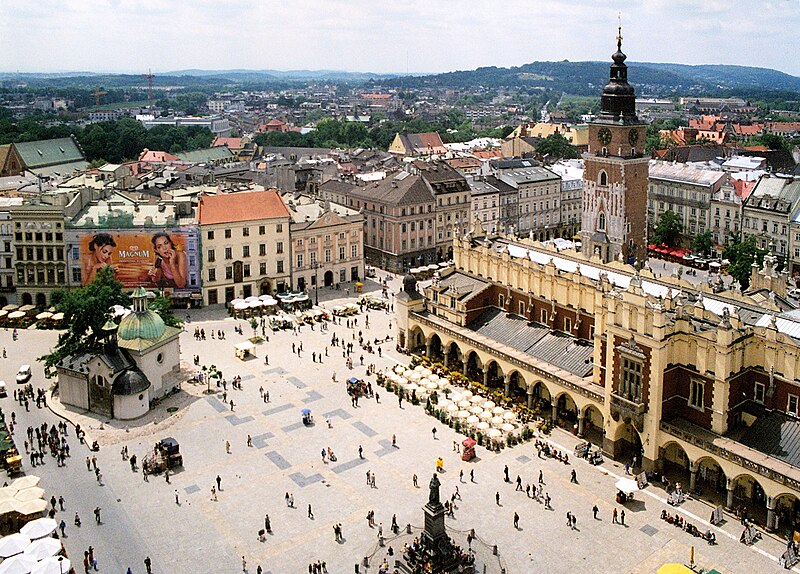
(433, 496)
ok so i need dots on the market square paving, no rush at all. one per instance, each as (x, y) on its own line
(203, 535)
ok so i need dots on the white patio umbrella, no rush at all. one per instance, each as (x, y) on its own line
(237, 301)
(443, 384)
(31, 507)
(30, 493)
(414, 377)
(467, 394)
(463, 414)
(412, 386)
(452, 408)
(431, 386)
(39, 528)
(456, 397)
(402, 381)
(24, 482)
(42, 548)
(627, 485)
(241, 306)
(399, 369)
(498, 411)
(16, 315)
(483, 426)
(52, 565)
(464, 404)
(495, 433)
(489, 405)
(423, 382)
(433, 377)
(497, 421)
(509, 415)
(486, 415)
(43, 315)
(20, 564)
(476, 410)
(60, 317)
(419, 368)
(8, 505)
(254, 304)
(13, 544)
(476, 400)
(443, 403)
(250, 299)
(473, 420)
(507, 427)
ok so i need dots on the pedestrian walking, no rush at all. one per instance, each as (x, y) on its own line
(219, 483)
(267, 525)
(177, 500)
(541, 477)
(573, 476)
(148, 565)
(62, 526)
(516, 521)
(360, 452)
(519, 483)
(497, 498)
(394, 441)
(595, 510)
(414, 480)
(461, 475)
(505, 474)
(213, 493)
(249, 440)
(433, 432)
(614, 517)
(227, 447)
(61, 502)
(472, 475)
(97, 514)
(622, 517)
(310, 514)
(244, 564)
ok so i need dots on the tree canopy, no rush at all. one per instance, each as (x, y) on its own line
(742, 253)
(85, 311)
(703, 243)
(668, 230)
(557, 146)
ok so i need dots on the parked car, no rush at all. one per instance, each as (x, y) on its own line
(24, 374)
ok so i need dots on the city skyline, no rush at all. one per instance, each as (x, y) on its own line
(121, 36)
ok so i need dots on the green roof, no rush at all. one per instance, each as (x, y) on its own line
(143, 325)
(44, 153)
(206, 155)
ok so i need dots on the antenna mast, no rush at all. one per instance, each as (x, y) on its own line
(149, 76)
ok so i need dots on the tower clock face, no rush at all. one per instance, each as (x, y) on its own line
(633, 137)
(604, 135)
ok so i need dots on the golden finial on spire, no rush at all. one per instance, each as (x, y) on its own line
(619, 26)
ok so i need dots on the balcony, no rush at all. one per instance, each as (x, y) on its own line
(628, 411)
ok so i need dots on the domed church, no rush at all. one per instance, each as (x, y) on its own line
(140, 361)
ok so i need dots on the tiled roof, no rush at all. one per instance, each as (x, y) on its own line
(401, 188)
(231, 143)
(157, 156)
(428, 142)
(44, 153)
(558, 349)
(240, 206)
(464, 286)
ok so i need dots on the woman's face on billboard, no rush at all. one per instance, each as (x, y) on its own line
(104, 253)
(163, 247)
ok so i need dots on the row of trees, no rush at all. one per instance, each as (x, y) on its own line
(742, 252)
(331, 133)
(110, 141)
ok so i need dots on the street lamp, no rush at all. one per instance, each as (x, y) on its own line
(315, 267)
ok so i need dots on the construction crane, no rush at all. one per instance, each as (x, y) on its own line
(97, 93)
(149, 76)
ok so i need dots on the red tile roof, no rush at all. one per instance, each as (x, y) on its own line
(231, 143)
(240, 206)
(157, 156)
(743, 188)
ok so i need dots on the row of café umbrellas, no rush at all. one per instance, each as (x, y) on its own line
(253, 302)
(481, 413)
(17, 312)
(23, 496)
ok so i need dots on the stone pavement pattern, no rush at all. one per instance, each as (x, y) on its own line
(200, 535)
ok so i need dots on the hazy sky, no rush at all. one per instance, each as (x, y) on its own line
(389, 36)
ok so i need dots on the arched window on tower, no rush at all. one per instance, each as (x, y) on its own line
(603, 178)
(601, 222)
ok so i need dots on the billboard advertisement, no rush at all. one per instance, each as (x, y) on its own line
(164, 259)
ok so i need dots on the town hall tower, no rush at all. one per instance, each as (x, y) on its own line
(614, 218)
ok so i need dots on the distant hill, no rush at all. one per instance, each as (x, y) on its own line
(585, 78)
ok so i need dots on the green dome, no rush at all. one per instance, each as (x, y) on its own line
(141, 325)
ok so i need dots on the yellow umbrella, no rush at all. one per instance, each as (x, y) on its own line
(674, 569)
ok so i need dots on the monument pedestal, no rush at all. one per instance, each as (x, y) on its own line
(437, 548)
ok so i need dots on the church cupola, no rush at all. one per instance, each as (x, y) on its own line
(618, 102)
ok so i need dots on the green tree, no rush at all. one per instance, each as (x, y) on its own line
(703, 243)
(742, 253)
(163, 306)
(557, 146)
(668, 230)
(85, 311)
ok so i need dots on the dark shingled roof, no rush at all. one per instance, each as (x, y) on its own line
(558, 349)
(776, 435)
(131, 382)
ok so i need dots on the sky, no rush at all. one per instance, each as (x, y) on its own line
(381, 36)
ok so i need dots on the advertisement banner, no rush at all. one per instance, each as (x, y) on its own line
(157, 259)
